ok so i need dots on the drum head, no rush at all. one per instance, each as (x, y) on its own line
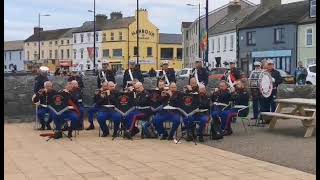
(266, 84)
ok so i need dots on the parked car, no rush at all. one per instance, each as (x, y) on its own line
(311, 78)
(217, 73)
(286, 77)
(185, 73)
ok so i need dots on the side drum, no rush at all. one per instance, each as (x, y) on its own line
(261, 80)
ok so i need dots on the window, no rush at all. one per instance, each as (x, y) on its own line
(27, 44)
(251, 39)
(5, 55)
(224, 43)
(313, 8)
(50, 54)
(104, 37)
(42, 54)
(20, 55)
(149, 51)
(231, 42)
(68, 53)
(187, 52)
(89, 37)
(97, 37)
(279, 35)
(117, 52)
(56, 54)
(74, 54)
(187, 35)
(35, 54)
(135, 51)
(166, 53)
(61, 53)
(50, 43)
(309, 37)
(179, 53)
(56, 42)
(10, 56)
(212, 45)
(97, 52)
(106, 53)
(120, 36)
(62, 42)
(218, 50)
(81, 53)
(112, 36)
(35, 44)
(28, 55)
(68, 42)
(81, 38)
(42, 43)
(75, 39)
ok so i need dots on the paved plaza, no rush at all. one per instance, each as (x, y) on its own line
(29, 156)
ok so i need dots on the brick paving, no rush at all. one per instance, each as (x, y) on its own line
(29, 156)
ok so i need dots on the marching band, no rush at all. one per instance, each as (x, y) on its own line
(154, 107)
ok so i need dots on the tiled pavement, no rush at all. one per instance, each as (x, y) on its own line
(29, 156)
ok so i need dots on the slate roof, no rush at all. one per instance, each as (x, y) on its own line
(230, 22)
(13, 45)
(165, 38)
(186, 24)
(68, 34)
(110, 24)
(284, 14)
(48, 35)
(307, 19)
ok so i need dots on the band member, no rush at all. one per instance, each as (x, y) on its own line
(41, 79)
(202, 117)
(72, 115)
(233, 72)
(239, 97)
(193, 87)
(42, 97)
(270, 105)
(93, 110)
(132, 73)
(256, 95)
(202, 73)
(167, 74)
(75, 76)
(106, 74)
(76, 95)
(107, 97)
(171, 97)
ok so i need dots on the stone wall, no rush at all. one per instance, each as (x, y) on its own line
(18, 91)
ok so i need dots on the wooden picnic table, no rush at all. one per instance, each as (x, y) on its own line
(304, 110)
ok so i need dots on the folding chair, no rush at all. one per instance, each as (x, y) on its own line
(243, 119)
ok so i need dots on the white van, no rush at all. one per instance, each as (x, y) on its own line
(311, 78)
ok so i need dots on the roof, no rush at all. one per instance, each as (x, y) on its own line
(68, 34)
(284, 14)
(110, 24)
(186, 24)
(48, 35)
(307, 19)
(13, 45)
(231, 21)
(165, 38)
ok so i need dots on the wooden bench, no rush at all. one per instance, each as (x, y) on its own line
(286, 116)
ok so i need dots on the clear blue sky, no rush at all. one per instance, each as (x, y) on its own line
(20, 16)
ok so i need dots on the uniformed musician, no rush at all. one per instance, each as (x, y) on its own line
(75, 76)
(193, 86)
(41, 79)
(131, 74)
(106, 74)
(256, 95)
(76, 95)
(167, 74)
(202, 73)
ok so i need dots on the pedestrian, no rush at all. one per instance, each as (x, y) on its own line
(300, 74)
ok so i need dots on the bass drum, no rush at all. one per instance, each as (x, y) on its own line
(261, 80)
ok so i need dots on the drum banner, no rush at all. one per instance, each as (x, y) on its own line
(58, 103)
(124, 102)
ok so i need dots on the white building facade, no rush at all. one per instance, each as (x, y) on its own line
(13, 56)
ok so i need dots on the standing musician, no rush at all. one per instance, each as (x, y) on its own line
(169, 97)
(73, 115)
(107, 97)
(200, 73)
(42, 96)
(93, 110)
(202, 117)
(193, 87)
(167, 74)
(256, 95)
(106, 74)
(75, 76)
(131, 74)
(41, 79)
(239, 97)
(232, 75)
(76, 95)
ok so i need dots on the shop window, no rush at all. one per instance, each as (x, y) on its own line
(135, 51)
(166, 53)
(179, 53)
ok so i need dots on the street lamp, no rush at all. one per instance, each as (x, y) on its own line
(137, 32)
(199, 39)
(39, 15)
(94, 35)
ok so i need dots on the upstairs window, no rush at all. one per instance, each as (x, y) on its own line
(224, 43)
(313, 8)
(218, 48)
(231, 42)
(81, 38)
(74, 39)
(62, 42)
(112, 36)
(117, 52)
(149, 51)
(104, 37)
(279, 35)
(309, 34)
(97, 37)
(120, 36)
(251, 39)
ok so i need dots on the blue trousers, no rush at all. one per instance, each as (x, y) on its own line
(220, 114)
(256, 103)
(131, 118)
(91, 112)
(68, 115)
(103, 116)
(226, 118)
(202, 118)
(81, 108)
(162, 117)
(42, 111)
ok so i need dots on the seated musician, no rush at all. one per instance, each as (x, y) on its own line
(202, 117)
(107, 97)
(42, 97)
(72, 114)
(193, 87)
(169, 97)
(76, 94)
(141, 100)
(239, 97)
(222, 96)
(96, 108)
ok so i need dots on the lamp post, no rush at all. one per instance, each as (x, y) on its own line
(138, 32)
(199, 38)
(39, 16)
(207, 31)
(94, 35)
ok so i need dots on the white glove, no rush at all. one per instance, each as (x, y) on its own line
(273, 80)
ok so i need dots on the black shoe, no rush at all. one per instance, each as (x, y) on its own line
(189, 138)
(114, 134)
(135, 131)
(42, 128)
(127, 135)
(70, 134)
(201, 139)
(90, 127)
(65, 128)
(227, 132)
(104, 134)
(170, 138)
(48, 127)
(164, 137)
(57, 135)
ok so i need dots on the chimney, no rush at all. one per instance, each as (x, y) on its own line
(234, 6)
(116, 15)
(36, 30)
(101, 19)
(270, 3)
